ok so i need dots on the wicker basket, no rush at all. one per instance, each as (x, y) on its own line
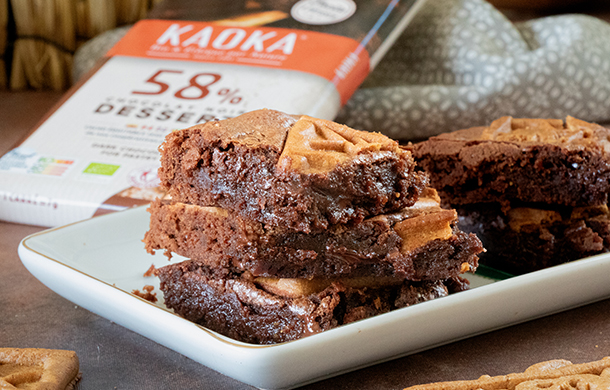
(48, 32)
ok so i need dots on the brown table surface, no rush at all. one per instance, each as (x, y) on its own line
(112, 357)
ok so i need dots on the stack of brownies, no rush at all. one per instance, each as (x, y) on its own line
(295, 225)
(535, 191)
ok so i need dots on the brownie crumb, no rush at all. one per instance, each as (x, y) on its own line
(146, 293)
(151, 271)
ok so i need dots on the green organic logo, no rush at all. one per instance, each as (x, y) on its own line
(101, 169)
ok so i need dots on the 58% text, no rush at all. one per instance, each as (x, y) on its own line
(197, 86)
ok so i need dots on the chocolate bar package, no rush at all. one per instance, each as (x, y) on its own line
(189, 62)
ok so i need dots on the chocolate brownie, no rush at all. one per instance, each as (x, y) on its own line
(526, 239)
(249, 309)
(533, 190)
(299, 173)
(417, 243)
(529, 160)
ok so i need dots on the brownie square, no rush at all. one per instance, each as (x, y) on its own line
(238, 307)
(527, 239)
(529, 160)
(300, 173)
(533, 190)
(416, 243)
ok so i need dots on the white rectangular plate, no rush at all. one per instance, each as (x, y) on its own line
(97, 263)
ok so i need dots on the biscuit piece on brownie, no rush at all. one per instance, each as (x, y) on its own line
(299, 173)
(419, 242)
(272, 310)
(552, 374)
(34, 368)
(528, 160)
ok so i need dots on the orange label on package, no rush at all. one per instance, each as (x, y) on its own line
(341, 60)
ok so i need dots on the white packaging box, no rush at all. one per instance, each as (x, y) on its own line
(98, 152)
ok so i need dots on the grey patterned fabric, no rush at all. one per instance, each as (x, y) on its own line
(461, 63)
